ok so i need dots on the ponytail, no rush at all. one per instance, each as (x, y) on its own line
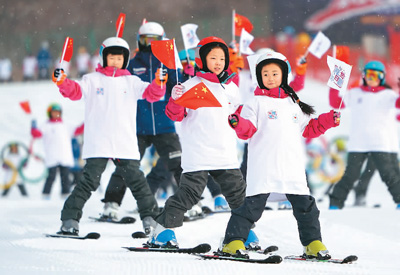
(305, 108)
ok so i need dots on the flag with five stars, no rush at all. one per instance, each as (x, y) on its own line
(197, 97)
(67, 50)
(242, 22)
(166, 53)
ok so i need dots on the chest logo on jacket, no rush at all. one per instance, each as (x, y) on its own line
(272, 114)
(100, 91)
(139, 71)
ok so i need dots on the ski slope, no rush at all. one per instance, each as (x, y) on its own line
(370, 233)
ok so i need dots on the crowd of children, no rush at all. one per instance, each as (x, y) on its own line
(132, 104)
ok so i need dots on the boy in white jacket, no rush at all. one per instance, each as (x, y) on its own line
(110, 95)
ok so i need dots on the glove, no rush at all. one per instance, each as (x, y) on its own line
(34, 124)
(161, 76)
(336, 118)
(189, 70)
(59, 76)
(233, 120)
(237, 64)
(177, 91)
(301, 65)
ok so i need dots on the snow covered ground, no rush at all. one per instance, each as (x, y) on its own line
(370, 233)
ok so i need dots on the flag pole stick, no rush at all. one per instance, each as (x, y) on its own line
(233, 24)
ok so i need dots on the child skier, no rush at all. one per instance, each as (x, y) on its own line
(208, 144)
(275, 125)
(373, 133)
(57, 137)
(111, 94)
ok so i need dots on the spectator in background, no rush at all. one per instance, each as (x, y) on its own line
(95, 60)
(5, 70)
(83, 61)
(44, 61)
(29, 67)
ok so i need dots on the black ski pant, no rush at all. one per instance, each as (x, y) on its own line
(363, 183)
(21, 187)
(387, 166)
(192, 186)
(65, 181)
(168, 148)
(90, 181)
(304, 210)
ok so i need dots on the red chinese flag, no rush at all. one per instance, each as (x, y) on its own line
(67, 49)
(343, 53)
(25, 106)
(242, 22)
(120, 25)
(197, 97)
(165, 52)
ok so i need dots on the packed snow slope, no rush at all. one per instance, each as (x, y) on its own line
(370, 233)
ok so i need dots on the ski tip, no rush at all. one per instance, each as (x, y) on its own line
(139, 235)
(203, 248)
(349, 259)
(93, 235)
(270, 249)
(127, 220)
(274, 259)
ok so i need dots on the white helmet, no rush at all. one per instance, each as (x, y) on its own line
(273, 57)
(114, 45)
(148, 32)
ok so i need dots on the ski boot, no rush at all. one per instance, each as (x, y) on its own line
(195, 211)
(148, 224)
(235, 249)
(110, 211)
(316, 249)
(69, 227)
(398, 206)
(163, 237)
(220, 203)
(334, 207)
(252, 242)
(360, 201)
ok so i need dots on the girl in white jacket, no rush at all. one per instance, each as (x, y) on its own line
(275, 122)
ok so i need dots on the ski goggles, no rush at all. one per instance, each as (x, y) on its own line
(374, 75)
(146, 39)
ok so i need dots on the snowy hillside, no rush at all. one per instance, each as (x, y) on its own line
(370, 233)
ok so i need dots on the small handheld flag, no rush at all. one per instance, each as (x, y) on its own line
(120, 25)
(198, 96)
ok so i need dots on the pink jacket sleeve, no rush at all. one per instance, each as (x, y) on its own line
(335, 99)
(36, 133)
(79, 130)
(70, 89)
(154, 92)
(174, 111)
(244, 129)
(318, 126)
(298, 83)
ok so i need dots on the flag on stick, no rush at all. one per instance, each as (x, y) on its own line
(340, 74)
(120, 25)
(197, 97)
(166, 53)
(25, 106)
(190, 39)
(245, 41)
(319, 45)
(242, 22)
(68, 49)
